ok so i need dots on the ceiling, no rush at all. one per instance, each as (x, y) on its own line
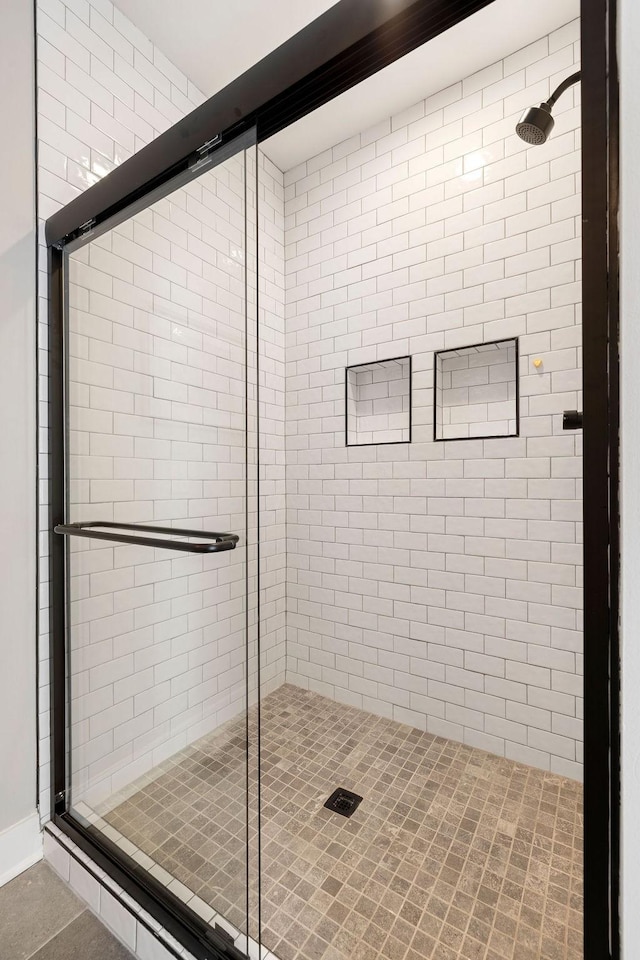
(212, 41)
(459, 52)
(469, 46)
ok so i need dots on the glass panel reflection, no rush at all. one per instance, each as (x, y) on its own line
(157, 435)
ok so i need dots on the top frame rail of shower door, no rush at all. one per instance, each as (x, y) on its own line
(99, 530)
(346, 44)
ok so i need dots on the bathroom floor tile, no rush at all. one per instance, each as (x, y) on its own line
(85, 937)
(33, 908)
(42, 919)
(453, 852)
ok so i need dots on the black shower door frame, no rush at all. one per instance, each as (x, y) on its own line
(351, 41)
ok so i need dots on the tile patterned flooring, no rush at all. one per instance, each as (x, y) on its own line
(454, 854)
(41, 919)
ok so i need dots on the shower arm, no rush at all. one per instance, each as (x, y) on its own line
(568, 82)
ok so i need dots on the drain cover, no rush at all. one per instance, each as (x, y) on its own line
(343, 802)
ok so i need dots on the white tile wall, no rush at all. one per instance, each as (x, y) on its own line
(157, 420)
(271, 425)
(153, 429)
(440, 583)
(437, 583)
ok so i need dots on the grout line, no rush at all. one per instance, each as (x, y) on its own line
(62, 929)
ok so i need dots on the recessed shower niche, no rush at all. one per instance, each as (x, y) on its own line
(378, 402)
(476, 391)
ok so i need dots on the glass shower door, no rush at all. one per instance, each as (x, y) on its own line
(160, 535)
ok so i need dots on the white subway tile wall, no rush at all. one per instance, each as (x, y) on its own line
(476, 391)
(155, 401)
(157, 422)
(436, 583)
(440, 583)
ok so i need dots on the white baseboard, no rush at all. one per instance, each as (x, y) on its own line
(20, 847)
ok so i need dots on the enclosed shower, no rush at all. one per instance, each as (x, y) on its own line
(318, 556)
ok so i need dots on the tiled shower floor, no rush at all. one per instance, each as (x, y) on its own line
(453, 853)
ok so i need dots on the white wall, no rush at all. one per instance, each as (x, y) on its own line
(440, 583)
(103, 93)
(629, 51)
(157, 435)
(157, 317)
(18, 843)
(496, 596)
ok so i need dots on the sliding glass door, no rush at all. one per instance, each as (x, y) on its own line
(159, 525)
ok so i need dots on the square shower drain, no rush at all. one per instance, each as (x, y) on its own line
(343, 802)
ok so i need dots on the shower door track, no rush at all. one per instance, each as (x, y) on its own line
(350, 42)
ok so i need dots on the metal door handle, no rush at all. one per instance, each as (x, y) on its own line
(96, 531)
(572, 420)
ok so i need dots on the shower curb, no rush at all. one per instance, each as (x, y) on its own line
(133, 926)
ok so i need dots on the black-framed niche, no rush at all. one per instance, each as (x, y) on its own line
(476, 391)
(378, 402)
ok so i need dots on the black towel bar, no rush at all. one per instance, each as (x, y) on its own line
(99, 530)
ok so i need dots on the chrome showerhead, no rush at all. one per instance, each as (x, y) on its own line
(535, 124)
